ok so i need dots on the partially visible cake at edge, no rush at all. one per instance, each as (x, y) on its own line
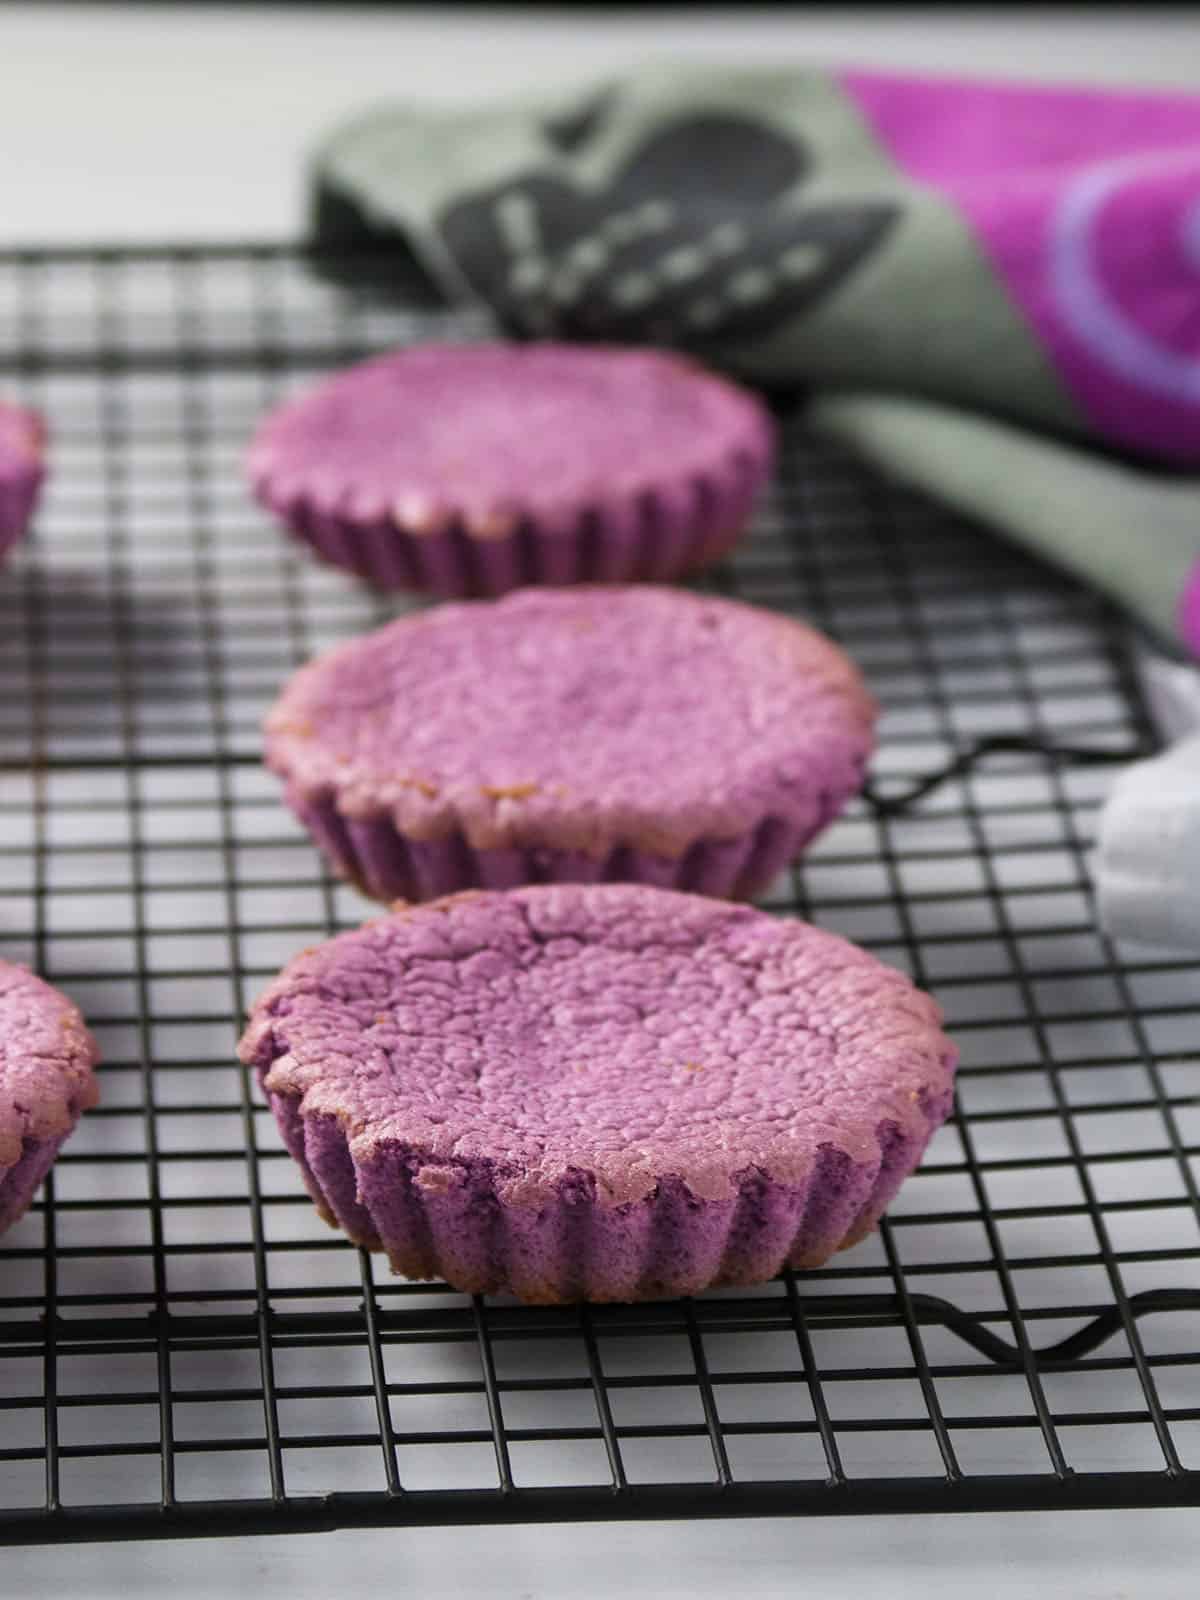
(22, 467)
(47, 1080)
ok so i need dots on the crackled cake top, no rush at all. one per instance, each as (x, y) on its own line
(490, 428)
(578, 718)
(46, 1061)
(622, 1031)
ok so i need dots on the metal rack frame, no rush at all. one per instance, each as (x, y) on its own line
(185, 1350)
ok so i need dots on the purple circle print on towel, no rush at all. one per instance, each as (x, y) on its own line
(1125, 271)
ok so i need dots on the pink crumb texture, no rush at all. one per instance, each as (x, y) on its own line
(47, 1080)
(22, 467)
(464, 470)
(602, 1092)
(585, 735)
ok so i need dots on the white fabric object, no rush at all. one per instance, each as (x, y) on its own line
(1172, 691)
(1147, 861)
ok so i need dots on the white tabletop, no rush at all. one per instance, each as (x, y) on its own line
(1091, 1555)
(149, 122)
(137, 122)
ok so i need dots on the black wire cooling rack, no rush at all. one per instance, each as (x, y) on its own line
(185, 1349)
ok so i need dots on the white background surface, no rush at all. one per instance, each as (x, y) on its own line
(1090, 1555)
(122, 122)
(140, 122)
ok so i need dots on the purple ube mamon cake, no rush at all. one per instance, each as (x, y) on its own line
(474, 469)
(593, 734)
(46, 1080)
(602, 1092)
(22, 442)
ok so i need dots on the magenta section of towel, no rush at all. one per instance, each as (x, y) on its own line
(1087, 204)
(1188, 612)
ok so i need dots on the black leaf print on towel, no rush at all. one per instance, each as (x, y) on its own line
(573, 128)
(699, 238)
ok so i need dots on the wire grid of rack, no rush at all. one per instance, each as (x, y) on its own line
(184, 1348)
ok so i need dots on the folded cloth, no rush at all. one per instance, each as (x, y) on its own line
(1146, 865)
(1132, 534)
(997, 249)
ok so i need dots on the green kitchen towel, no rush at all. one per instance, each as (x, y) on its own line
(955, 253)
(1133, 534)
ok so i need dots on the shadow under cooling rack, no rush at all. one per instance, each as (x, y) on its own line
(185, 1349)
